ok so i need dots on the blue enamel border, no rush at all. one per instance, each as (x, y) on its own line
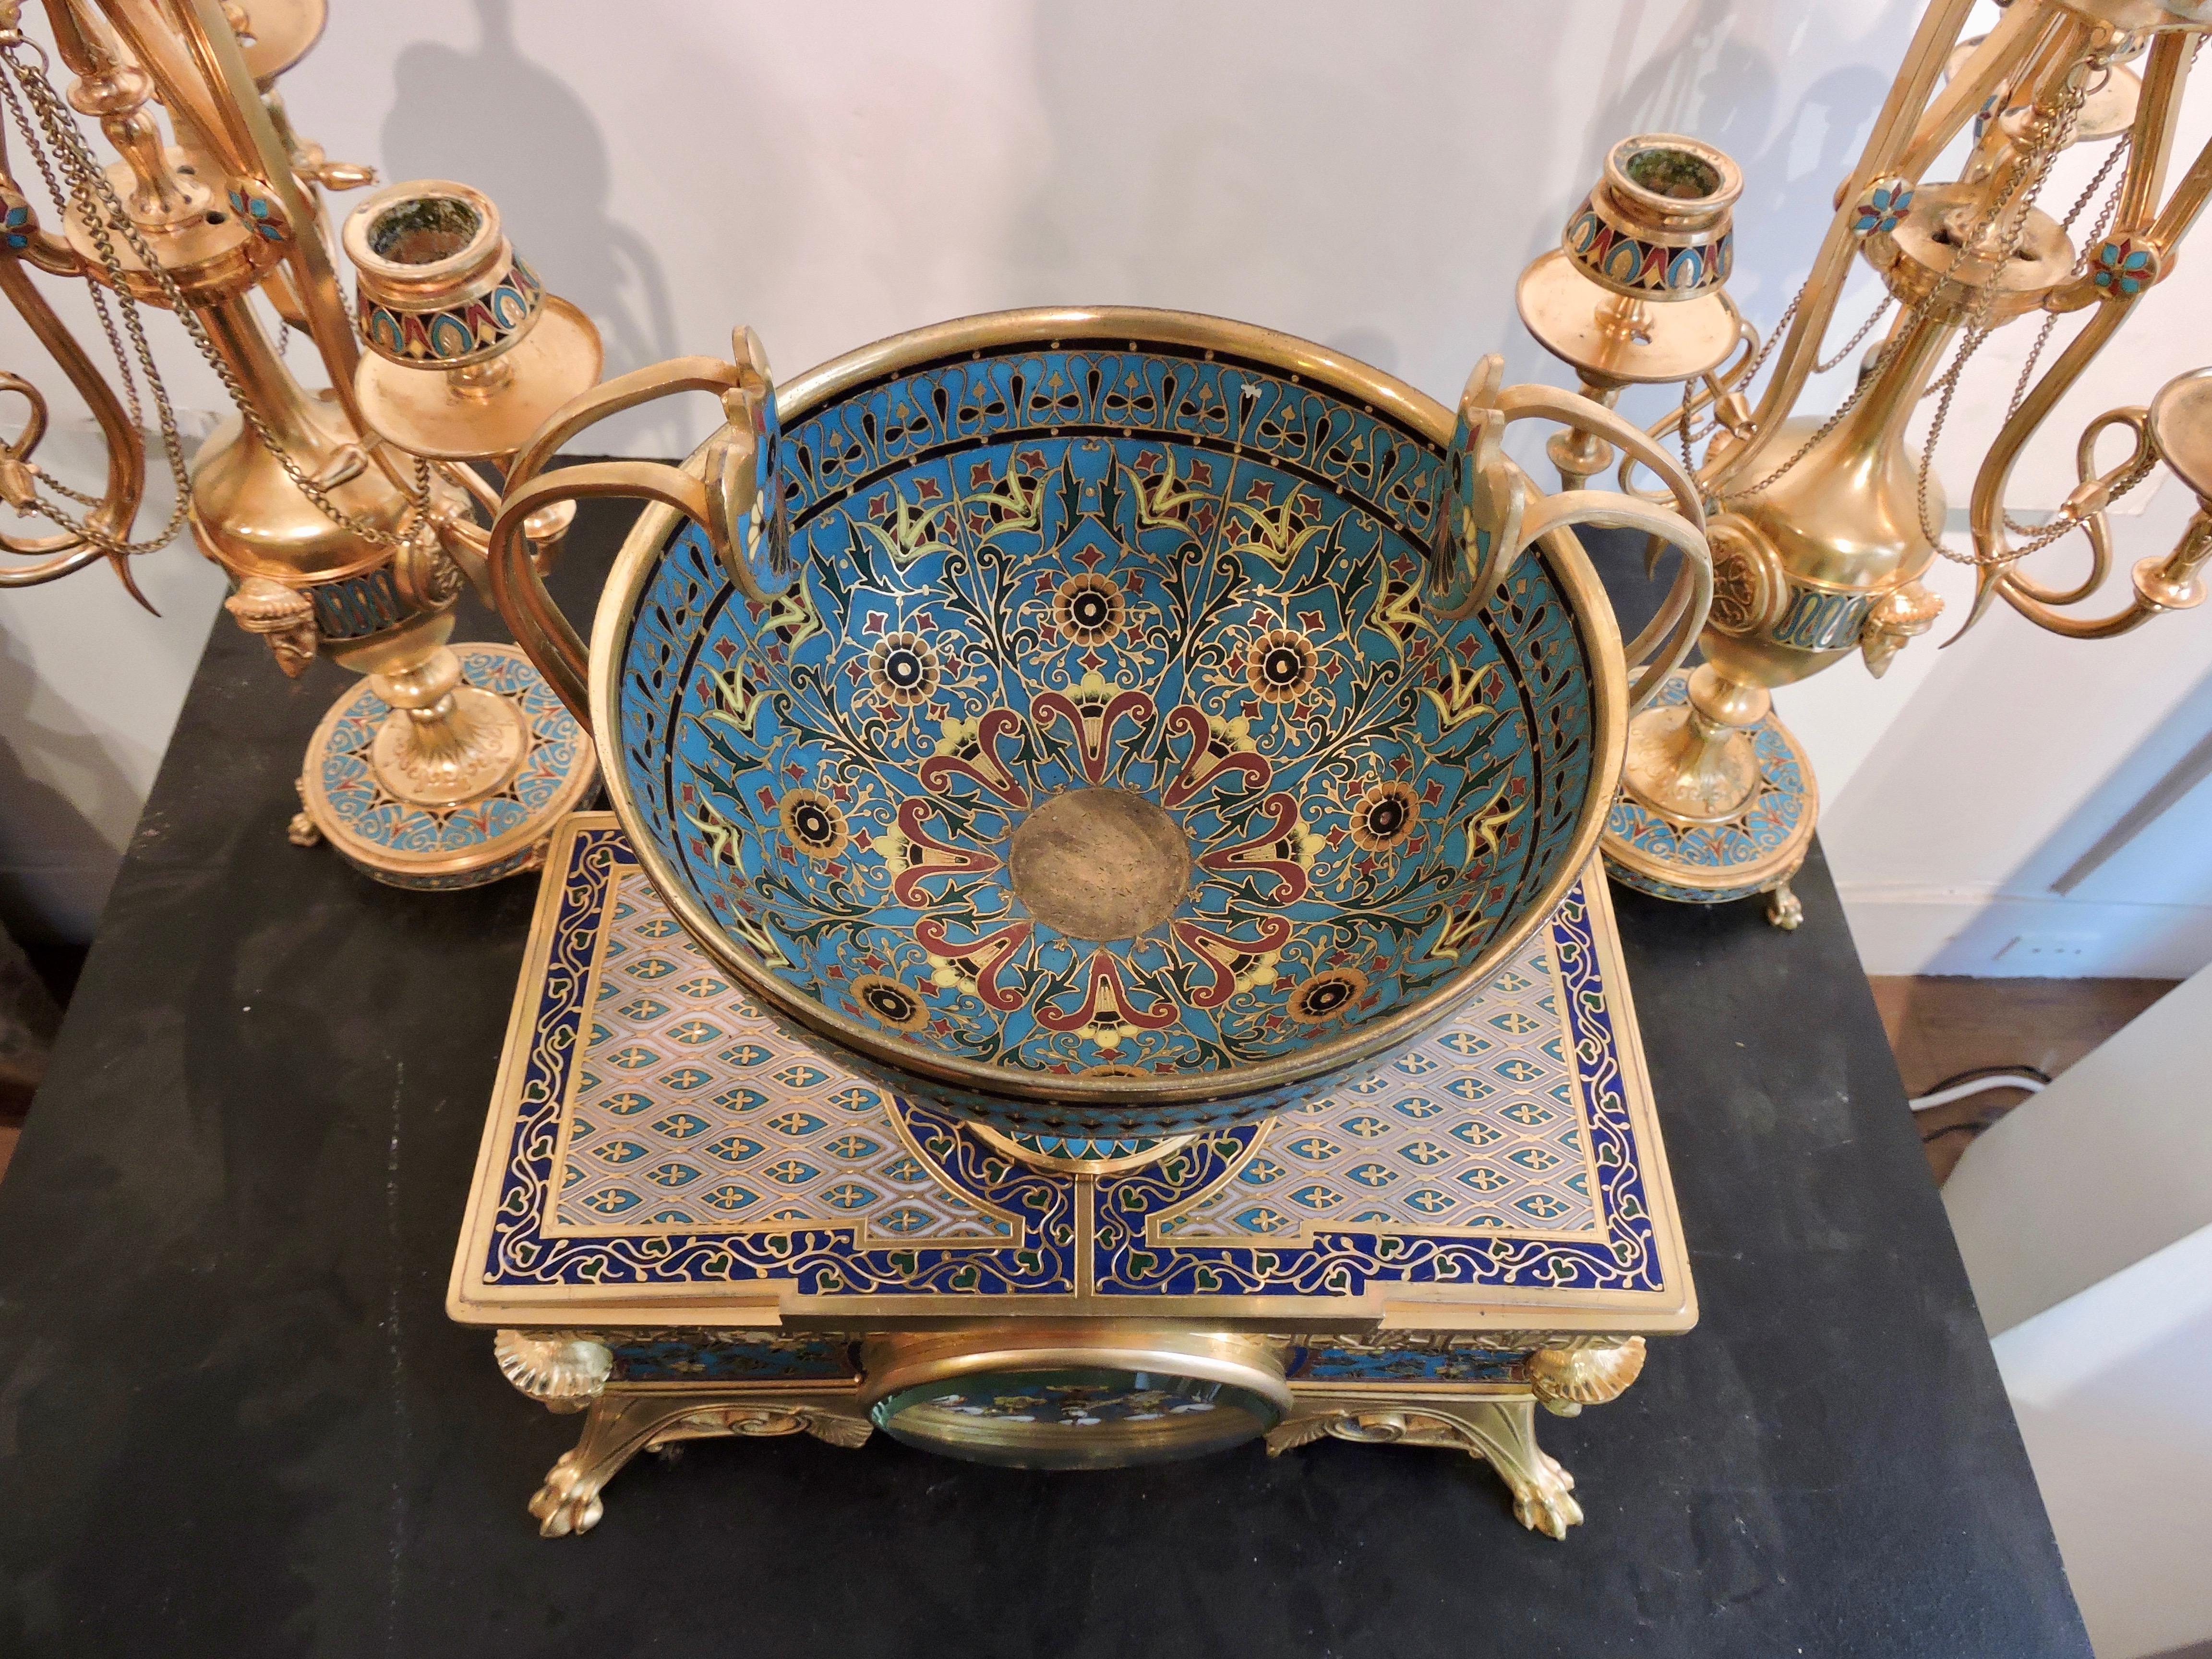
(830, 1262)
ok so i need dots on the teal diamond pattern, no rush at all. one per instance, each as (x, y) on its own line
(722, 1124)
(1477, 1130)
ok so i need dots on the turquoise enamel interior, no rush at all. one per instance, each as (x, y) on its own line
(1035, 570)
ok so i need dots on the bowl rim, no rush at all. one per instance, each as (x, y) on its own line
(1137, 326)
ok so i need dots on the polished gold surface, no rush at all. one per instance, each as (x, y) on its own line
(467, 355)
(440, 414)
(969, 1394)
(444, 744)
(1099, 864)
(1688, 766)
(275, 35)
(474, 1298)
(1634, 295)
(1466, 1366)
(1823, 526)
(623, 1422)
(1493, 1423)
(1635, 343)
(439, 744)
(2180, 427)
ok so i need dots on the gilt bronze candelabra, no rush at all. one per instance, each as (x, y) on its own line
(1822, 527)
(345, 519)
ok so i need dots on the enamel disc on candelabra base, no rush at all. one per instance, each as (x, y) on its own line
(464, 790)
(1746, 834)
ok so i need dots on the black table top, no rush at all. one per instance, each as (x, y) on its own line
(235, 1420)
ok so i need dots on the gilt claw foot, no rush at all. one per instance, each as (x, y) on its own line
(568, 1503)
(1784, 908)
(1544, 1501)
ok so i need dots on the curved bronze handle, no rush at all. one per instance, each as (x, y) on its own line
(1491, 512)
(736, 497)
(126, 446)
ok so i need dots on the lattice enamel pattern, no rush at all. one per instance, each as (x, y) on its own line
(1055, 570)
(1478, 1130)
(1623, 1252)
(692, 1111)
(1569, 1061)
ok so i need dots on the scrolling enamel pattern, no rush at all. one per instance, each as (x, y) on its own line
(1029, 575)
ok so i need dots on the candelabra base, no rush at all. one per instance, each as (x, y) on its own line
(1713, 858)
(537, 765)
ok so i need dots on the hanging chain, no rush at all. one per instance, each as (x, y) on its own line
(172, 442)
(2015, 203)
(1743, 377)
(1865, 329)
(2015, 200)
(2042, 537)
(100, 208)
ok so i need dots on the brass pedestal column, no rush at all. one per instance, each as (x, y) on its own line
(1717, 800)
(450, 767)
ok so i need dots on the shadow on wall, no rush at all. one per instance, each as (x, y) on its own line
(1705, 81)
(525, 138)
(58, 852)
(1289, 167)
(1272, 171)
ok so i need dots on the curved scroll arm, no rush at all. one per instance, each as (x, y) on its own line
(2087, 502)
(2140, 240)
(2170, 430)
(735, 497)
(127, 448)
(1493, 513)
(1714, 385)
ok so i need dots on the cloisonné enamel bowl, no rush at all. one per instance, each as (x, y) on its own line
(1102, 773)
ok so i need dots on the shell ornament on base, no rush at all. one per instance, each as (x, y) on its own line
(562, 1374)
(1567, 1379)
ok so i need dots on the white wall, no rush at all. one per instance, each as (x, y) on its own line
(2113, 1389)
(2085, 1219)
(1376, 179)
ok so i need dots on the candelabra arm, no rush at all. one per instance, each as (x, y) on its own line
(2020, 29)
(1993, 550)
(209, 77)
(2096, 492)
(126, 444)
(2158, 118)
(2181, 208)
(1710, 389)
(1893, 132)
(2141, 227)
(2173, 582)
(194, 106)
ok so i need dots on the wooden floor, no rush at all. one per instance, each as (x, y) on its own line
(1939, 1028)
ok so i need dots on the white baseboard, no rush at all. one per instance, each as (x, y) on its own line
(1902, 929)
